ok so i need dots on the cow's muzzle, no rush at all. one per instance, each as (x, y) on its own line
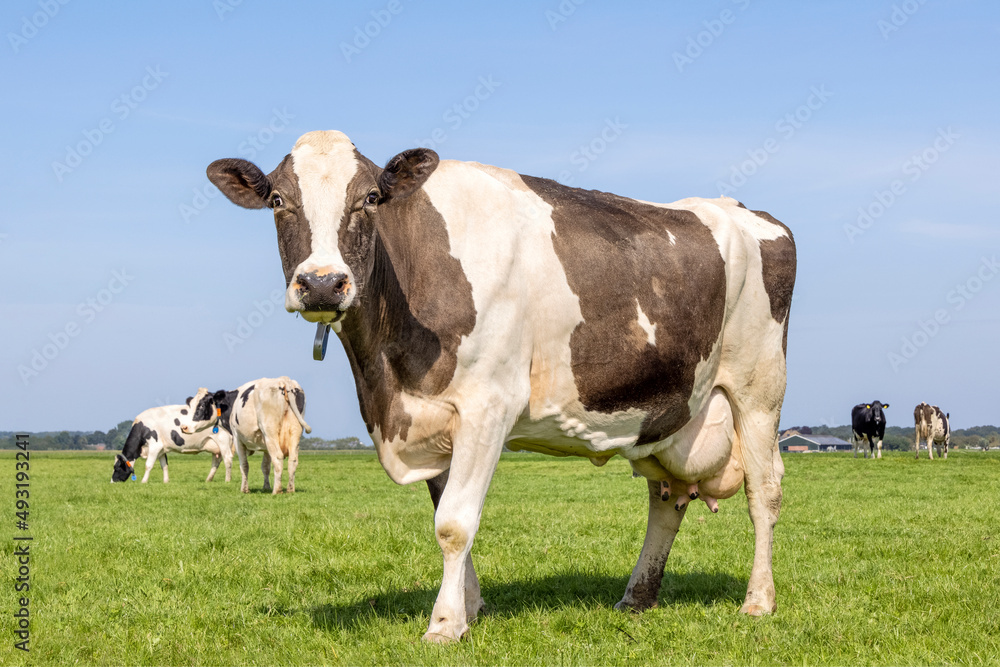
(326, 294)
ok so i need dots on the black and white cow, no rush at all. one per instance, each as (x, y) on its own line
(868, 421)
(478, 306)
(185, 429)
(933, 427)
(267, 417)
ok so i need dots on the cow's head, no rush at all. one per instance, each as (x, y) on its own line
(875, 411)
(123, 469)
(327, 199)
(204, 410)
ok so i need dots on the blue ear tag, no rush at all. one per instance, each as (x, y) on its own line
(133, 477)
(215, 429)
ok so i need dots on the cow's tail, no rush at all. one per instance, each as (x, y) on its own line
(290, 399)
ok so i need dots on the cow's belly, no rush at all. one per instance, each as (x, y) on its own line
(571, 432)
(705, 450)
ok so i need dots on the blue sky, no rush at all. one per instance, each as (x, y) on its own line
(869, 127)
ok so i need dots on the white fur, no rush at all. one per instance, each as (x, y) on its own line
(324, 163)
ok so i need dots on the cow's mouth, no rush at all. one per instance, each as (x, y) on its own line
(322, 316)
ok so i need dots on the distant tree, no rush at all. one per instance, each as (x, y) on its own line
(117, 435)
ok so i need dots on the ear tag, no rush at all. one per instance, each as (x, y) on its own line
(215, 429)
(133, 477)
(319, 343)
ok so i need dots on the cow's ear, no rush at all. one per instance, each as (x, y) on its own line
(885, 405)
(242, 182)
(404, 174)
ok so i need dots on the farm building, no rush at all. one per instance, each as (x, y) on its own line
(813, 443)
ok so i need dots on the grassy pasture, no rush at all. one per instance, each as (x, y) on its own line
(876, 563)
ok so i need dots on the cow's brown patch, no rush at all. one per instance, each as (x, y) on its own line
(294, 236)
(616, 251)
(778, 269)
(414, 307)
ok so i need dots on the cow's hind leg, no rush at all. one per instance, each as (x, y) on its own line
(473, 596)
(664, 522)
(241, 452)
(163, 464)
(763, 472)
(293, 463)
(265, 467)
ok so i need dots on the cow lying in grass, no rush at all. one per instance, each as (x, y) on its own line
(200, 425)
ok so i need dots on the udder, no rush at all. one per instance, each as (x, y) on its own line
(702, 460)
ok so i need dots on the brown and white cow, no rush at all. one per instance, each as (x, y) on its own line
(267, 417)
(933, 427)
(478, 306)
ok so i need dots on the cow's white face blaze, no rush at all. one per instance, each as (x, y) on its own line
(324, 164)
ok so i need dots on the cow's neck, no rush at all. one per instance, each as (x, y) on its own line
(414, 308)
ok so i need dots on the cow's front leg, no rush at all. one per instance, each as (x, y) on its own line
(879, 446)
(664, 521)
(473, 596)
(475, 454)
(152, 456)
(216, 459)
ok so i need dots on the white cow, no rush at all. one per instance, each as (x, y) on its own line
(200, 425)
(267, 417)
(933, 427)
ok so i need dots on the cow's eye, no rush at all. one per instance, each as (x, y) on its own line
(276, 200)
(372, 198)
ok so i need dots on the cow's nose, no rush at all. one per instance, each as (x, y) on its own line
(322, 291)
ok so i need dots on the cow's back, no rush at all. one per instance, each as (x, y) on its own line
(617, 308)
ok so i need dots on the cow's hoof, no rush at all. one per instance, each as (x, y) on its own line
(473, 611)
(633, 607)
(755, 610)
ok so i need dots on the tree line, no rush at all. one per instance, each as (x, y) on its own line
(902, 437)
(114, 440)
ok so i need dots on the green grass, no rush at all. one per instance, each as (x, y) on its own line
(876, 563)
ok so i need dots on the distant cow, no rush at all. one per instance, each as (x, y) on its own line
(479, 307)
(868, 422)
(267, 417)
(185, 429)
(932, 426)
